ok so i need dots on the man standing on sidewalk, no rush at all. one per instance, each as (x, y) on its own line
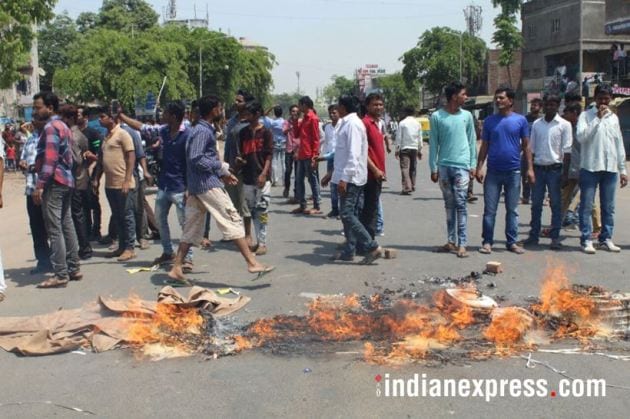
(452, 156)
(350, 175)
(408, 149)
(550, 144)
(505, 137)
(54, 190)
(173, 137)
(205, 175)
(117, 161)
(308, 152)
(603, 164)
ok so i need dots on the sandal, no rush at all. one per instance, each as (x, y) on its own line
(486, 249)
(515, 248)
(447, 248)
(462, 253)
(54, 282)
(187, 267)
(260, 273)
(314, 211)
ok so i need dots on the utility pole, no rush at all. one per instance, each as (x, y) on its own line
(297, 73)
(200, 73)
(461, 50)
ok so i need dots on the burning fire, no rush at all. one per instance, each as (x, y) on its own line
(402, 331)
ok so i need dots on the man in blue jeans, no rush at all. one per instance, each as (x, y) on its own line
(351, 174)
(452, 157)
(505, 136)
(603, 164)
(172, 179)
(550, 144)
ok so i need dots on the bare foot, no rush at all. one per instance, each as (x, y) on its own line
(177, 273)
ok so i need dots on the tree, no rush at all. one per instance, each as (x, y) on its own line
(507, 35)
(127, 15)
(17, 20)
(285, 100)
(397, 94)
(435, 60)
(340, 85)
(55, 40)
(87, 21)
(125, 68)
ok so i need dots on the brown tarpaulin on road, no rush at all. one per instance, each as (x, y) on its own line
(101, 325)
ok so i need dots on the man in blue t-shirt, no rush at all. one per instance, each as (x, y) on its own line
(505, 136)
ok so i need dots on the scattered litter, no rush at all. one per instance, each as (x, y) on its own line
(531, 363)
(48, 402)
(79, 352)
(491, 285)
(307, 370)
(153, 268)
(366, 283)
(224, 291)
(580, 351)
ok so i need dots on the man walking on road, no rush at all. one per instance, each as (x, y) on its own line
(453, 152)
(206, 175)
(408, 149)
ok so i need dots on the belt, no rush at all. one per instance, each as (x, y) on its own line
(549, 167)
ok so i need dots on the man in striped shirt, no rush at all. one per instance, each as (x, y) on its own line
(53, 190)
(206, 175)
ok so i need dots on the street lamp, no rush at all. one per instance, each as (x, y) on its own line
(297, 73)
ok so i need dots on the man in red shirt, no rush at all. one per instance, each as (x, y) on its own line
(307, 154)
(376, 161)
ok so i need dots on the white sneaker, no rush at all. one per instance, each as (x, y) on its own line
(588, 247)
(610, 246)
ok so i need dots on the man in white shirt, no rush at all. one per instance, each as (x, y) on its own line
(327, 153)
(602, 164)
(408, 149)
(550, 143)
(350, 175)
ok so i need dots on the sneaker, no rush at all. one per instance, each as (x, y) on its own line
(530, 241)
(332, 214)
(380, 233)
(609, 245)
(588, 247)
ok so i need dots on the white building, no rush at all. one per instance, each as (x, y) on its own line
(17, 102)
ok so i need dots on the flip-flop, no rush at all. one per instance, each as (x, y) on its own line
(53, 283)
(486, 250)
(260, 274)
(462, 254)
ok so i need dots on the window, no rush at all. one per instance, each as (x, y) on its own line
(531, 32)
(555, 26)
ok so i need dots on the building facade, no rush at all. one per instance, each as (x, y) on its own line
(564, 43)
(617, 17)
(17, 101)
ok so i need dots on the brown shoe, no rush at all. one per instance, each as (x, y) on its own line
(75, 276)
(164, 258)
(114, 254)
(447, 248)
(126, 255)
(144, 244)
(261, 251)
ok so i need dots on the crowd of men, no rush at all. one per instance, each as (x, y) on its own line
(66, 155)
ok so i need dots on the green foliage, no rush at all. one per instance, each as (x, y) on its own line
(507, 35)
(397, 94)
(126, 69)
(435, 60)
(17, 18)
(127, 15)
(340, 85)
(87, 21)
(286, 100)
(55, 41)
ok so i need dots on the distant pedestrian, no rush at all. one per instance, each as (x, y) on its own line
(408, 142)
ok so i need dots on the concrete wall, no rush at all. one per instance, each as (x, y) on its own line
(498, 75)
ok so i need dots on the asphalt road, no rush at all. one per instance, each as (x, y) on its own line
(259, 384)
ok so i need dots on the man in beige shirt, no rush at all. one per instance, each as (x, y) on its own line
(117, 160)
